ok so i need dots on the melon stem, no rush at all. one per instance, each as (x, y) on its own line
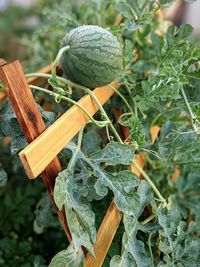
(122, 97)
(193, 116)
(57, 60)
(97, 123)
(93, 96)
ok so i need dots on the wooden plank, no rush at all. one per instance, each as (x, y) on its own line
(105, 236)
(37, 155)
(30, 120)
(32, 80)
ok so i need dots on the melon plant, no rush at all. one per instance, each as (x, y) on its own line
(160, 92)
(94, 57)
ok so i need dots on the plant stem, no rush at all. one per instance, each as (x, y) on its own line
(57, 60)
(80, 137)
(192, 115)
(133, 99)
(99, 124)
(149, 245)
(155, 189)
(93, 96)
(148, 219)
(108, 134)
(122, 97)
(39, 74)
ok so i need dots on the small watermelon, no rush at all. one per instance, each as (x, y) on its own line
(94, 58)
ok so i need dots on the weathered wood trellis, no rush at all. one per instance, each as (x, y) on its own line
(40, 156)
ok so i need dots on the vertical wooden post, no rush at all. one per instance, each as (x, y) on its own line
(31, 121)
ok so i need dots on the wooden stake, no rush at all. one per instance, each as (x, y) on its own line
(30, 119)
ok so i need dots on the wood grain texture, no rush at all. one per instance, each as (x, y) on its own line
(36, 156)
(30, 119)
(32, 80)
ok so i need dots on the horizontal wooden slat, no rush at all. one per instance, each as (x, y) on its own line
(37, 155)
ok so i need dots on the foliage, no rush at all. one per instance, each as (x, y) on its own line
(161, 84)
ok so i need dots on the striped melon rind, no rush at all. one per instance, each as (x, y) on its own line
(94, 58)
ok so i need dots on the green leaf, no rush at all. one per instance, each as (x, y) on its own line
(113, 154)
(80, 236)
(165, 3)
(69, 188)
(53, 82)
(3, 178)
(44, 217)
(68, 258)
(134, 250)
(158, 43)
(125, 10)
(61, 188)
(187, 196)
(17, 144)
(8, 121)
(64, 191)
(184, 31)
(176, 239)
(125, 260)
(136, 130)
(134, 246)
(91, 142)
(170, 36)
(123, 186)
(17, 212)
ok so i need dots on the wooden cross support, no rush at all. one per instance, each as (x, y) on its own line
(40, 156)
(31, 121)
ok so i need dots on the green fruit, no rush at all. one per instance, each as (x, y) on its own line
(94, 58)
